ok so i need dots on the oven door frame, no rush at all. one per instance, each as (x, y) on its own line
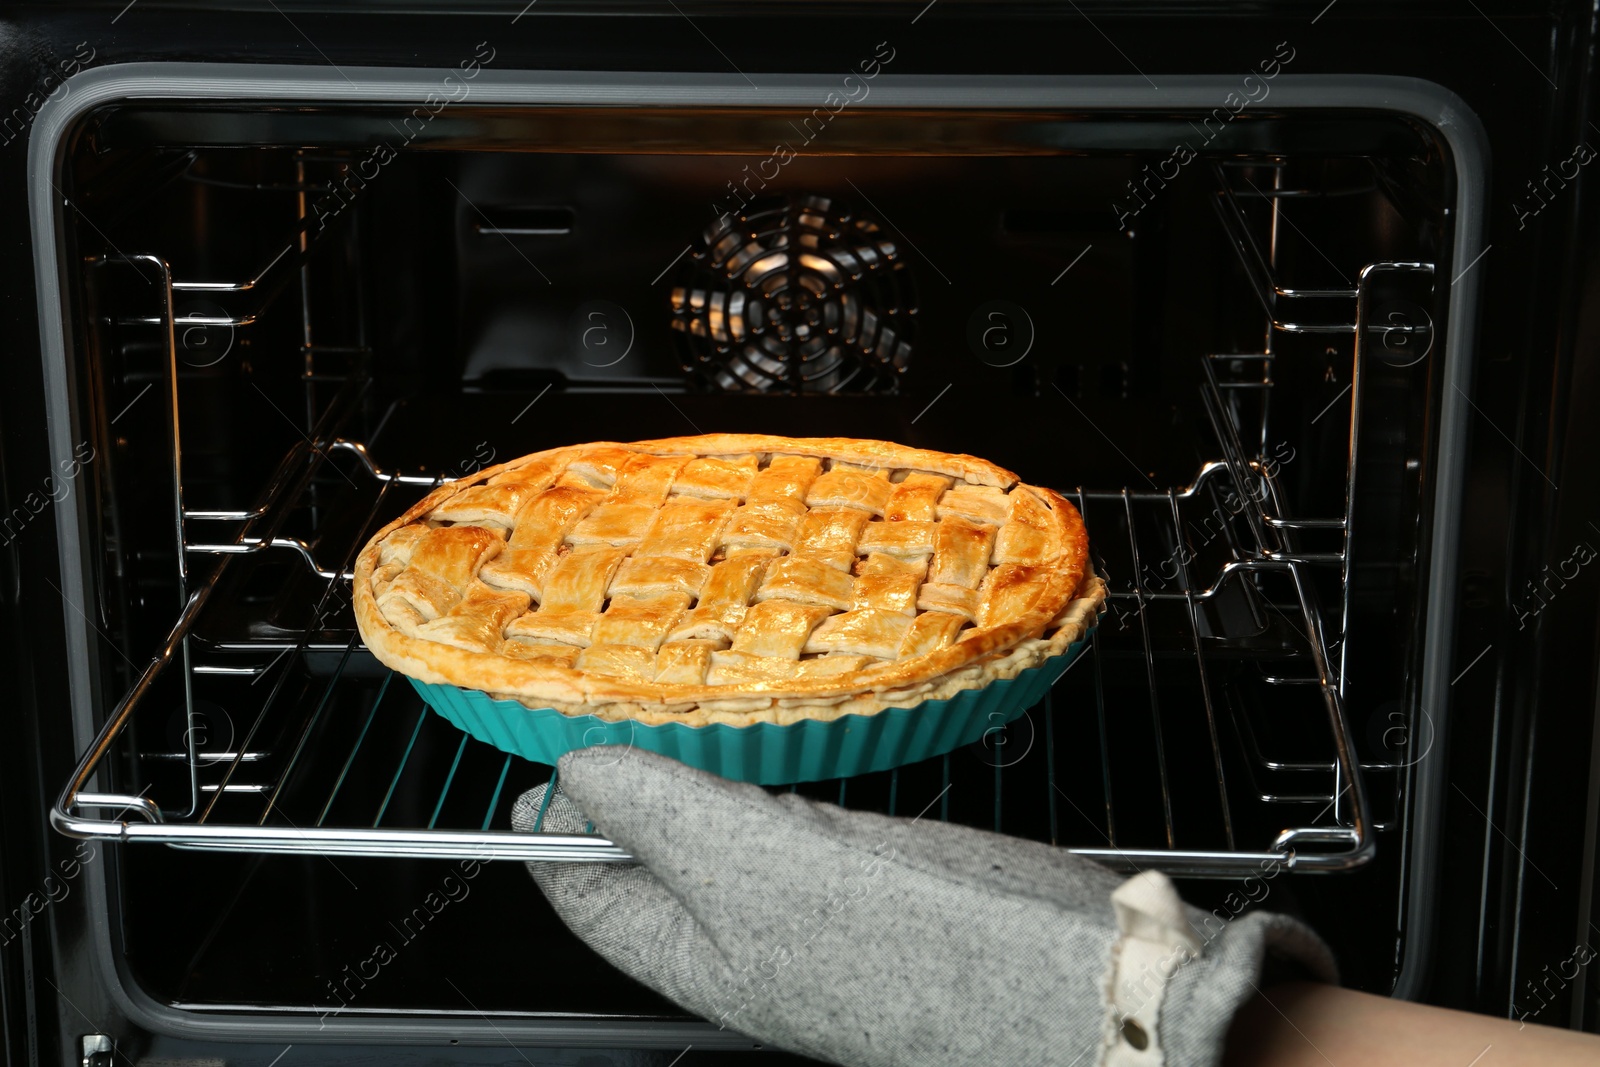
(1428, 103)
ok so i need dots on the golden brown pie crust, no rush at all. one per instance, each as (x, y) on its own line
(733, 578)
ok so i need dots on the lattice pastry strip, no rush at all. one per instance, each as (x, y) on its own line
(478, 620)
(492, 506)
(617, 525)
(573, 594)
(686, 529)
(728, 591)
(540, 652)
(438, 568)
(867, 632)
(541, 526)
(961, 552)
(956, 599)
(808, 581)
(639, 622)
(601, 464)
(784, 478)
(907, 538)
(847, 487)
(717, 479)
(777, 629)
(929, 632)
(659, 574)
(830, 534)
(976, 503)
(646, 479)
(765, 524)
(1028, 533)
(684, 662)
(889, 583)
(916, 497)
(726, 575)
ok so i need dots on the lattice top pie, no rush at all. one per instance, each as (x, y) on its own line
(727, 578)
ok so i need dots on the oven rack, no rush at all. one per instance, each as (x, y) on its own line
(288, 784)
(1290, 309)
(316, 771)
(249, 296)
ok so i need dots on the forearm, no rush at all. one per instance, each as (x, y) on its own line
(1313, 1024)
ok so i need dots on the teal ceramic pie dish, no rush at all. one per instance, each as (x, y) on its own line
(764, 753)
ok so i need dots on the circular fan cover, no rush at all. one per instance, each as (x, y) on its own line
(796, 295)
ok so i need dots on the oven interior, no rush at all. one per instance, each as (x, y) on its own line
(289, 323)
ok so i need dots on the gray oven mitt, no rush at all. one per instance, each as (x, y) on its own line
(867, 940)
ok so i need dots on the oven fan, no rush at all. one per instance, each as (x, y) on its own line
(796, 295)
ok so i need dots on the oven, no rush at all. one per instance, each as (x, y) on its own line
(1291, 306)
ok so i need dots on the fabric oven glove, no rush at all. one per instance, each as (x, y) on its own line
(870, 940)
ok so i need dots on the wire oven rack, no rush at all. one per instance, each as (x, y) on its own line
(335, 759)
(331, 762)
